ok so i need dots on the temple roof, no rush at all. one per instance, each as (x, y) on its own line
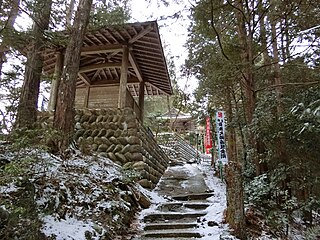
(101, 57)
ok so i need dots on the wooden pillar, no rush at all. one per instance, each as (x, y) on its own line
(86, 98)
(123, 78)
(55, 82)
(141, 100)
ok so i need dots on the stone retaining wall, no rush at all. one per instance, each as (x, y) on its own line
(121, 137)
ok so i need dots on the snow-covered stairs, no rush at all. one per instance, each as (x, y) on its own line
(176, 220)
(176, 147)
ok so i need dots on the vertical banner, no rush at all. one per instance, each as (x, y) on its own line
(208, 138)
(220, 123)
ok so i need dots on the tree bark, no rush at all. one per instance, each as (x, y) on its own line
(28, 104)
(7, 29)
(235, 203)
(248, 81)
(64, 114)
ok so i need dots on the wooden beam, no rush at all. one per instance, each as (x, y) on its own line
(123, 78)
(84, 78)
(101, 49)
(99, 66)
(130, 80)
(153, 86)
(141, 34)
(141, 100)
(135, 66)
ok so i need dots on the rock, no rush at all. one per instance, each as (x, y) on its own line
(123, 140)
(126, 148)
(132, 132)
(123, 126)
(105, 141)
(112, 156)
(114, 140)
(134, 140)
(115, 118)
(127, 165)
(128, 156)
(121, 157)
(94, 147)
(99, 118)
(111, 148)
(113, 126)
(117, 133)
(212, 223)
(94, 133)
(144, 201)
(137, 157)
(118, 148)
(102, 132)
(145, 183)
(102, 148)
(79, 133)
(135, 148)
(131, 123)
(89, 140)
(97, 140)
(84, 118)
(109, 133)
(92, 118)
(139, 165)
(87, 133)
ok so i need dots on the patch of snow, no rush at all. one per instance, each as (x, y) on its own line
(69, 229)
(10, 188)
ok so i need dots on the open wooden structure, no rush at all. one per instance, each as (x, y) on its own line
(119, 65)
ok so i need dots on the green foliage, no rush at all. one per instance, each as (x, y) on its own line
(129, 175)
(43, 137)
(312, 233)
(109, 13)
(10, 93)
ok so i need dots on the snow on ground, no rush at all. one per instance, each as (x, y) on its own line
(218, 204)
(70, 229)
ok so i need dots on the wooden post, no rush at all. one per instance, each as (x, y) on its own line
(123, 78)
(86, 98)
(141, 100)
(55, 82)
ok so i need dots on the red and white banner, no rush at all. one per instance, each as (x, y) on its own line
(222, 150)
(208, 137)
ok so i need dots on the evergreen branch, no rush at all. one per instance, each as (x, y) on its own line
(217, 34)
(288, 84)
(238, 9)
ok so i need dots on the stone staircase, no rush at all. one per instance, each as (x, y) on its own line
(182, 215)
(176, 147)
(180, 219)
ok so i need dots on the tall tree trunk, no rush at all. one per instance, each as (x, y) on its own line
(248, 83)
(27, 109)
(70, 11)
(64, 114)
(7, 31)
(234, 178)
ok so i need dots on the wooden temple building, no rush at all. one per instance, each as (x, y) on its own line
(178, 121)
(119, 66)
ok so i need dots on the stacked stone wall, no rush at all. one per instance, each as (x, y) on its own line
(120, 136)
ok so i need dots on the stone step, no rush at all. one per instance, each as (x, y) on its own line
(161, 217)
(161, 234)
(162, 226)
(181, 206)
(195, 196)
